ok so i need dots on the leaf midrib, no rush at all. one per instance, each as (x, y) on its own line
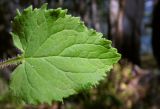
(70, 57)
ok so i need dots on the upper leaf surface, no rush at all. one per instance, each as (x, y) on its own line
(61, 55)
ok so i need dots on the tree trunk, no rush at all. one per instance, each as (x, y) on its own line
(156, 32)
(125, 22)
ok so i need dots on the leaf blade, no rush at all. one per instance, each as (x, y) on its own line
(61, 56)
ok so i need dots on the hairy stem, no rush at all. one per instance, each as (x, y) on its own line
(11, 61)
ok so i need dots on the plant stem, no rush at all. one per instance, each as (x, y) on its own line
(11, 61)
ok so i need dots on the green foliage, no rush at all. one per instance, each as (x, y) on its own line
(60, 55)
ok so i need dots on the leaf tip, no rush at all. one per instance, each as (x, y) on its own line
(30, 8)
(18, 12)
(44, 6)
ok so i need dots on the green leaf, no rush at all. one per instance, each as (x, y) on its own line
(61, 56)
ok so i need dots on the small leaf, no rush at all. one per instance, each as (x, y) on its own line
(61, 56)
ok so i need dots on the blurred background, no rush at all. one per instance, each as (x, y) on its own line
(134, 28)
